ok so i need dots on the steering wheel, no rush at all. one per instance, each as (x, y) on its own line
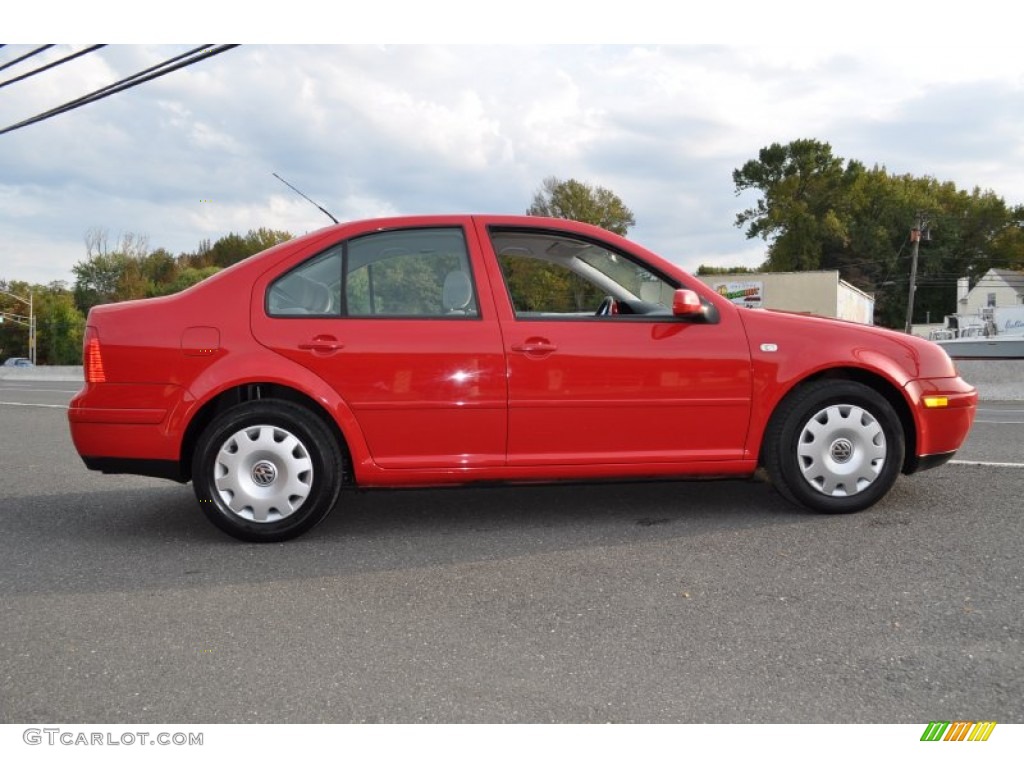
(609, 306)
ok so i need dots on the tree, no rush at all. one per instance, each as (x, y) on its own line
(96, 279)
(228, 250)
(131, 245)
(131, 271)
(59, 324)
(110, 275)
(185, 278)
(578, 201)
(261, 239)
(818, 211)
(1007, 245)
(160, 268)
(232, 247)
(14, 329)
(804, 190)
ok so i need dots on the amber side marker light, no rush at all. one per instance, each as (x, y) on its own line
(936, 402)
(94, 373)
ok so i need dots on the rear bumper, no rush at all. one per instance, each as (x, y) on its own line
(127, 422)
(168, 470)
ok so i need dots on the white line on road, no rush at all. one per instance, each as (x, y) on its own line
(23, 387)
(36, 405)
(964, 462)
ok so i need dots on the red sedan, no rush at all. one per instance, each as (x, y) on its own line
(442, 350)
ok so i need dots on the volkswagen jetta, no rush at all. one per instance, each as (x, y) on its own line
(443, 350)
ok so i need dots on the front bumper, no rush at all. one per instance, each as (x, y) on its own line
(943, 411)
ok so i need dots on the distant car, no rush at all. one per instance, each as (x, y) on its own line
(446, 350)
(18, 362)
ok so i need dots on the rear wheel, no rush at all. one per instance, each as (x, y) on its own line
(267, 470)
(834, 446)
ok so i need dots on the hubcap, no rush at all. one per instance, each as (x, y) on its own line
(263, 473)
(841, 450)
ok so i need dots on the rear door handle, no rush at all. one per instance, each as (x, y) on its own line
(323, 344)
(535, 346)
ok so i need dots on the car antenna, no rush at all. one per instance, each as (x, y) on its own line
(310, 200)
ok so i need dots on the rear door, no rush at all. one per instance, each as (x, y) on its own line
(396, 323)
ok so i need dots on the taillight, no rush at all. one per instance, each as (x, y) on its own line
(93, 357)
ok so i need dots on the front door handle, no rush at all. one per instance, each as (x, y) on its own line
(323, 344)
(535, 346)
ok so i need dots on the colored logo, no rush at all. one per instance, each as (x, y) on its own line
(959, 730)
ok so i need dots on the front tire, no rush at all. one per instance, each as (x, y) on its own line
(834, 446)
(267, 470)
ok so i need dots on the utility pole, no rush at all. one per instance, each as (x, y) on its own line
(31, 329)
(915, 240)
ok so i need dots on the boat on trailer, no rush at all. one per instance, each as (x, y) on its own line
(996, 333)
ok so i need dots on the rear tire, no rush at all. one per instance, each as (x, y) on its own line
(834, 446)
(267, 470)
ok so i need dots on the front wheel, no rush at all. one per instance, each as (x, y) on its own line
(266, 470)
(834, 446)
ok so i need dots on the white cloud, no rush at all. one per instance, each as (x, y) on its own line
(384, 130)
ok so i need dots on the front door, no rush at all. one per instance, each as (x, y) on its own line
(601, 372)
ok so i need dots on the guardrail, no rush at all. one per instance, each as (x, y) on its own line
(995, 379)
(42, 373)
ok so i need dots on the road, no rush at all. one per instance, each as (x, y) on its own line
(657, 602)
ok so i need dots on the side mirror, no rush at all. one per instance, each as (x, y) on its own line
(686, 303)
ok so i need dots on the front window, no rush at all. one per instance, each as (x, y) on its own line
(555, 275)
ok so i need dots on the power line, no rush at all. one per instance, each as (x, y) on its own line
(145, 75)
(28, 55)
(97, 94)
(53, 64)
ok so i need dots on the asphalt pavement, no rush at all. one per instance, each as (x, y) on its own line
(634, 602)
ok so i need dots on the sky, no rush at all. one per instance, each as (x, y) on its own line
(404, 111)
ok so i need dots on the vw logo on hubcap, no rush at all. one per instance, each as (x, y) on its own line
(841, 450)
(264, 473)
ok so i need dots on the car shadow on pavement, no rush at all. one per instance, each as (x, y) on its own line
(156, 536)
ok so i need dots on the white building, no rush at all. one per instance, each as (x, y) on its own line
(819, 292)
(996, 288)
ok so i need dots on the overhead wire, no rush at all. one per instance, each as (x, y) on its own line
(53, 64)
(94, 95)
(151, 73)
(28, 55)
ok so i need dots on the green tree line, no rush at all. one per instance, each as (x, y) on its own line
(819, 211)
(125, 270)
(59, 323)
